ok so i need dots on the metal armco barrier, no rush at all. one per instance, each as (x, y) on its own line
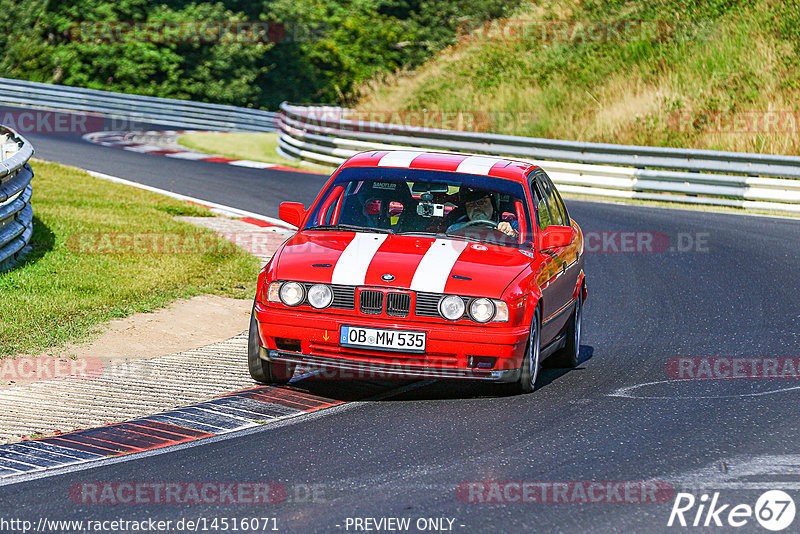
(16, 214)
(736, 179)
(167, 111)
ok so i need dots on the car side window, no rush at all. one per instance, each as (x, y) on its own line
(559, 202)
(557, 216)
(543, 217)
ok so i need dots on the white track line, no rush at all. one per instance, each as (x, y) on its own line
(627, 392)
(236, 212)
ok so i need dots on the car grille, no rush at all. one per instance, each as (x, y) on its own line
(428, 304)
(398, 304)
(344, 297)
(371, 302)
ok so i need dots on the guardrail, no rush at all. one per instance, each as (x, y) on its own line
(736, 179)
(16, 214)
(167, 111)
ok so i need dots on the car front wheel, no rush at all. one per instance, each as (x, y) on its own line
(567, 357)
(529, 371)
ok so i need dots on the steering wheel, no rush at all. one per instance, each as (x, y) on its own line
(481, 221)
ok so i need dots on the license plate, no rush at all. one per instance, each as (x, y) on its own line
(378, 338)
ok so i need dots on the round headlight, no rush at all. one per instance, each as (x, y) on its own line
(320, 296)
(481, 310)
(452, 308)
(292, 293)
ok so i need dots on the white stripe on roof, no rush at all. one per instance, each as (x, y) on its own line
(401, 158)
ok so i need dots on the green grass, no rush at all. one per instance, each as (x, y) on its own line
(706, 58)
(252, 146)
(63, 290)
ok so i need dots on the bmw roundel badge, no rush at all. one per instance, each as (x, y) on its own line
(387, 277)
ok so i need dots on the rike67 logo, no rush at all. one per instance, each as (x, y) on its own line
(774, 510)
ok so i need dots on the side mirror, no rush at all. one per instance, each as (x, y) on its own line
(555, 237)
(292, 213)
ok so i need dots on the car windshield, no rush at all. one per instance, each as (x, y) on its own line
(424, 202)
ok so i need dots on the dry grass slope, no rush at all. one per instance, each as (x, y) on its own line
(714, 75)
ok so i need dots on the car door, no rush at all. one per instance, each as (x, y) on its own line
(562, 269)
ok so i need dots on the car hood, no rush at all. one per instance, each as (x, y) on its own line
(424, 264)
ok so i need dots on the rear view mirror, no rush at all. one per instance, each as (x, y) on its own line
(428, 187)
(292, 213)
(555, 236)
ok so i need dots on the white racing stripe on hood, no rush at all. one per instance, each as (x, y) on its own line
(351, 268)
(434, 268)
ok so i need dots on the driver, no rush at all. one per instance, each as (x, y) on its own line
(479, 206)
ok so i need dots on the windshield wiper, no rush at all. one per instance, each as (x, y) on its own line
(462, 237)
(413, 232)
(351, 227)
(465, 238)
(441, 234)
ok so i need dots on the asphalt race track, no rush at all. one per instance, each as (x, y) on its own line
(710, 286)
(245, 189)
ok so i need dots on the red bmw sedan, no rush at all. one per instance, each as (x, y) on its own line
(424, 264)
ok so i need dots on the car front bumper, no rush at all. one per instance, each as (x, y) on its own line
(346, 369)
(449, 347)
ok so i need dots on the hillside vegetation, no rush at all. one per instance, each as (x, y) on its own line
(713, 74)
(242, 52)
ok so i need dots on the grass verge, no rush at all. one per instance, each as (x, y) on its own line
(252, 146)
(74, 278)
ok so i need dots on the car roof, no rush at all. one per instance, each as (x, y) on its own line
(443, 161)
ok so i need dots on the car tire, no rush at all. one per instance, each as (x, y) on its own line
(567, 357)
(264, 371)
(529, 370)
